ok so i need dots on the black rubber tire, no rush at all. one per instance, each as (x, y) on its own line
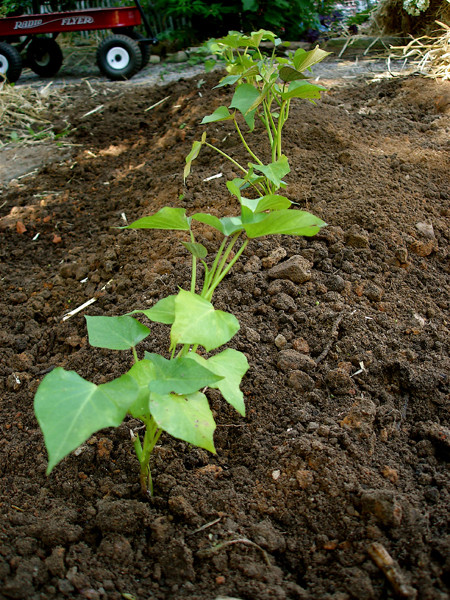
(10, 62)
(44, 56)
(119, 57)
(144, 48)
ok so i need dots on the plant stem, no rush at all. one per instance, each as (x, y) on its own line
(226, 156)
(281, 122)
(194, 266)
(137, 446)
(247, 147)
(228, 251)
(268, 124)
(211, 273)
(135, 356)
(219, 269)
(227, 269)
(151, 437)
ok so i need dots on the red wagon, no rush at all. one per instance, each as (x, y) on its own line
(119, 56)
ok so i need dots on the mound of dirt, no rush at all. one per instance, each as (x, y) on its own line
(335, 485)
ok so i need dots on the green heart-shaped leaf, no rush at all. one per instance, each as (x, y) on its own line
(274, 171)
(227, 225)
(228, 80)
(232, 365)
(302, 89)
(248, 216)
(115, 333)
(288, 74)
(166, 218)
(287, 222)
(304, 60)
(187, 418)
(269, 202)
(196, 147)
(180, 375)
(220, 114)
(244, 97)
(197, 250)
(233, 187)
(142, 372)
(70, 409)
(197, 322)
(162, 312)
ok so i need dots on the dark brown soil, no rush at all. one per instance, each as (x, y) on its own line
(343, 455)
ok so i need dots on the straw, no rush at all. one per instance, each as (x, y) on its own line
(430, 54)
(24, 113)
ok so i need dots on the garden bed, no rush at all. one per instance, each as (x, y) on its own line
(342, 461)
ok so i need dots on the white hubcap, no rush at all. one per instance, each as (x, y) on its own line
(118, 58)
(43, 61)
(4, 64)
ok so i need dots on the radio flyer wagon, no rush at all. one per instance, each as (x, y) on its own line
(119, 56)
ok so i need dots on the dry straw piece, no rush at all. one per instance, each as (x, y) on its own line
(390, 18)
(25, 113)
(431, 55)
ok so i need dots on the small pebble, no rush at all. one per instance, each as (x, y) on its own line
(280, 341)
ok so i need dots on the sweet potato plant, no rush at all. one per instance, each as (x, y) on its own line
(167, 393)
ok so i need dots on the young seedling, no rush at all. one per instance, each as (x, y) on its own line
(168, 393)
(264, 89)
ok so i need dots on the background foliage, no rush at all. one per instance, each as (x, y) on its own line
(289, 18)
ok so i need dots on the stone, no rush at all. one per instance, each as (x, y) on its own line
(423, 248)
(300, 381)
(280, 341)
(356, 239)
(361, 416)
(284, 302)
(55, 562)
(18, 298)
(383, 505)
(339, 382)
(253, 265)
(162, 266)
(301, 345)
(335, 283)
(296, 269)
(178, 57)
(373, 292)
(426, 229)
(290, 360)
(304, 478)
(252, 335)
(177, 563)
(401, 254)
(274, 258)
(284, 286)
(390, 474)
(67, 270)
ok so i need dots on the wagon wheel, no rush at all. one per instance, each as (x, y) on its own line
(119, 57)
(135, 35)
(44, 56)
(144, 48)
(10, 62)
